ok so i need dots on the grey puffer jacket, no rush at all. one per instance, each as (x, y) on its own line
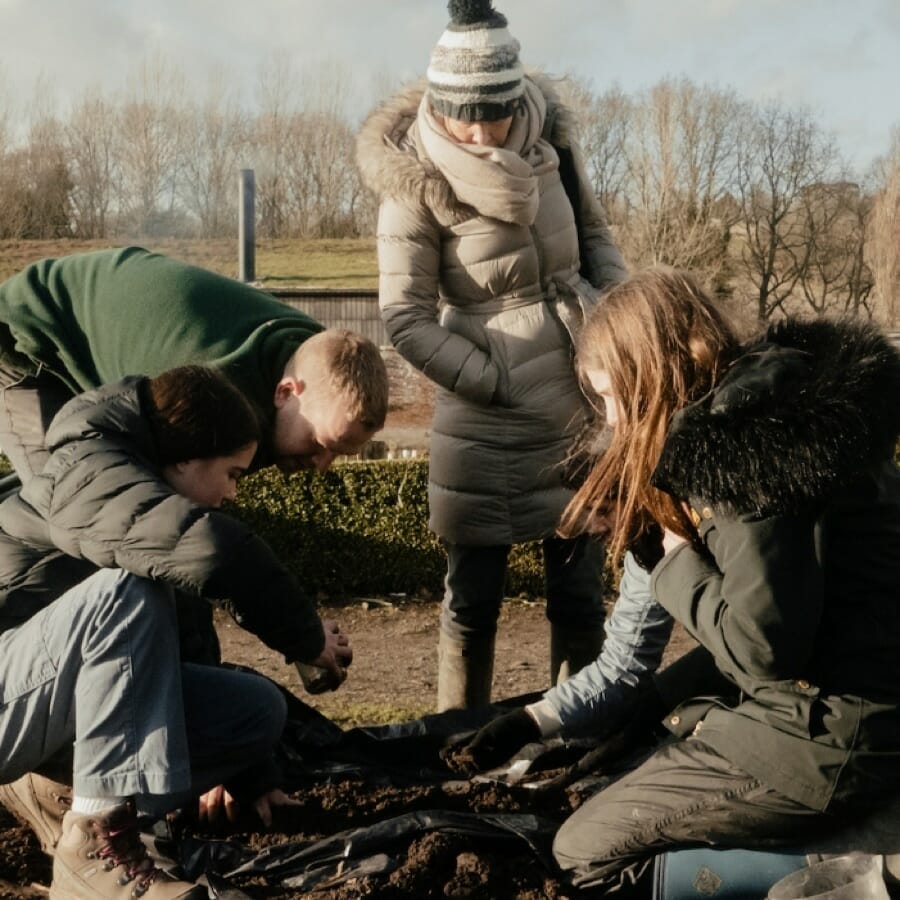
(486, 309)
(101, 502)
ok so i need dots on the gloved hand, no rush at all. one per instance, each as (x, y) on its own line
(642, 728)
(493, 744)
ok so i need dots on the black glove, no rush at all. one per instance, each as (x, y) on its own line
(642, 729)
(495, 743)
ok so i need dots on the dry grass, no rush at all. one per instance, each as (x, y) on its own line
(279, 263)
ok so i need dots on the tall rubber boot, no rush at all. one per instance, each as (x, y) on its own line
(571, 649)
(465, 672)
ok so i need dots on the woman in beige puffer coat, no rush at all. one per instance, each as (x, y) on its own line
(480, 289)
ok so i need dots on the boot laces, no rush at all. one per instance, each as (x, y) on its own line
(124, 848)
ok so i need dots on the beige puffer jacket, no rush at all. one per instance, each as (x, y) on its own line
(485, 309)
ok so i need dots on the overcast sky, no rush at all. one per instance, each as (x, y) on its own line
(840, 58)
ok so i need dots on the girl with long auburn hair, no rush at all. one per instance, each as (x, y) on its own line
(758, 483)
(661, 344)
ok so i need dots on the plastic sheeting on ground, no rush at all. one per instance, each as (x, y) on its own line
(368, 850)
(316, 750)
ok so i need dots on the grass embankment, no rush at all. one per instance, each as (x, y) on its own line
(345, 263)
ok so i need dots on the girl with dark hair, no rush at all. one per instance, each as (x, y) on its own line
(760, 481)
(109, 559)
(206, 432)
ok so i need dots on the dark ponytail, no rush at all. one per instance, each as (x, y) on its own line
(197, 413)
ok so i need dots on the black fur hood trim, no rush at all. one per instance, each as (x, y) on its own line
(800, 413)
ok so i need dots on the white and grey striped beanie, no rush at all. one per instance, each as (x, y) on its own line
(474, 74)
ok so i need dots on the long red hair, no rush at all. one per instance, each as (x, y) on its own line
(664, 344)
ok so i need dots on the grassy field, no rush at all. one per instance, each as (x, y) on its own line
(348, 263)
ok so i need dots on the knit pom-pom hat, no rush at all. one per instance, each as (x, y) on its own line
(475, 74)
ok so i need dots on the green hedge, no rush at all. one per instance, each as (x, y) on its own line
(361, 528)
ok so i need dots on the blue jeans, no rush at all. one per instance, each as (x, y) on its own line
(99, 669)
(573, 574)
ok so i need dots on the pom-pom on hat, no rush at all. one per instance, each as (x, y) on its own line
(475, 74)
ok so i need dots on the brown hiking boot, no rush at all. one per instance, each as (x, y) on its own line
(40, 804)
(101, 857)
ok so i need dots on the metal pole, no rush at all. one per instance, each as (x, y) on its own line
(246, 227)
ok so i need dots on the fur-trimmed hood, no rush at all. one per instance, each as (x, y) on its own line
(390, 165)
(802, 412)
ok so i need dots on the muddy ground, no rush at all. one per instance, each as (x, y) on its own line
(392, 679)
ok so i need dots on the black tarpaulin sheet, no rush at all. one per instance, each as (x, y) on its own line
(315, 749)
(373, 849)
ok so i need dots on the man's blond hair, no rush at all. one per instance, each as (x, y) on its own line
(351, 366)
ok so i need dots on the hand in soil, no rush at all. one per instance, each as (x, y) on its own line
(493, 744)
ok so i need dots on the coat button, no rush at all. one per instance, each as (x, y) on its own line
(675, 720)
(803, 684)
(706, 512)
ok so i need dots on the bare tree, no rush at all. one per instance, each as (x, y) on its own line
(217, 136)
(681, 153)
(884, 233)
(860, 276)
(832, 273)
(14, 195)
(6, 110)
(92, 147)
(11, 178)
(784, 155)
(272, 141)
(603, 122)
(44, 174)
(324, 183)
(152, 132)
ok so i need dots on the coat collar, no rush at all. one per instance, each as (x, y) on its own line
(114, 411)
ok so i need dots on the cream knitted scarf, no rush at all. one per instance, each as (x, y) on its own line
(499, 182)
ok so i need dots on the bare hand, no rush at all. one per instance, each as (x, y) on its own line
(337, 654)
(264, 805)
(672, 541)
(214, 803)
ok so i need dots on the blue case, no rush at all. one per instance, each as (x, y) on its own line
(703, 872)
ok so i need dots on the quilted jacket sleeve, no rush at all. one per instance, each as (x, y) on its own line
(104, 503)
(409, 261)
(601, 259)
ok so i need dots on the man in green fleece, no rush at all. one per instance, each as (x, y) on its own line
(72, 324)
